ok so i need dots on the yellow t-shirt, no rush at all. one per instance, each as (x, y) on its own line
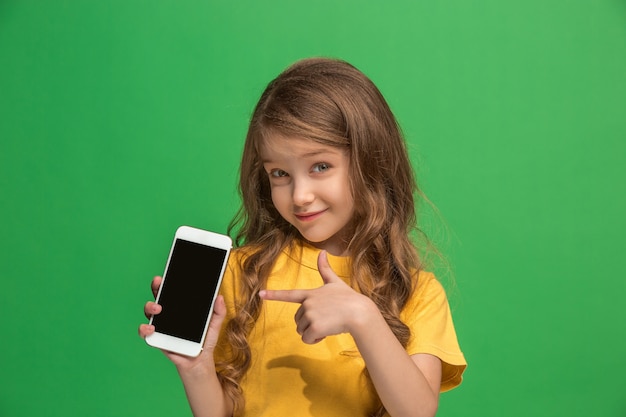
(290, 378)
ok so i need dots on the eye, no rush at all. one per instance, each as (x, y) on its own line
(278, 173)
(321, 167)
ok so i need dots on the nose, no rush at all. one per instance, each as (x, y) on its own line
(302, 193)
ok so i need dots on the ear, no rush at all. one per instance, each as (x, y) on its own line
(327, 273)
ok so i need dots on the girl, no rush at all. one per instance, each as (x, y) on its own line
(327, 209)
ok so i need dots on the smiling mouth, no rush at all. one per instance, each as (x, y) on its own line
(306, 217)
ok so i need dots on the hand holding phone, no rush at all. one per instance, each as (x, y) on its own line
(188, 291)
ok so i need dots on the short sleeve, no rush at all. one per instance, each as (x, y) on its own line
(428, 316)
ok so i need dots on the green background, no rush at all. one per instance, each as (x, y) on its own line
(120, 120)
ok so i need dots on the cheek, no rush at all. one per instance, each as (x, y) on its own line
(348, 198)
(349, 205)
(279, 198)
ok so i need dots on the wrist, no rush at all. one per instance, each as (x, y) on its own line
(198, 370)
(365, 315)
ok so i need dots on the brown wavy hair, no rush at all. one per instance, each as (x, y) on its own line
(330, 102)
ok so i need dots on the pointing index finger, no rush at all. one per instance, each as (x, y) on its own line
(289, 296)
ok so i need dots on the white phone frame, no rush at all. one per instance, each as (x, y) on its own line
(203, 237)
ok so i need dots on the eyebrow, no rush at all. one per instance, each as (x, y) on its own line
(305, 155)
(315, 153)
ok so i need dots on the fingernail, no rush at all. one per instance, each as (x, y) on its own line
(262, 293)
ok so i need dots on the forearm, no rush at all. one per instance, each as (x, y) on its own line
(205, 393)
(402, 387)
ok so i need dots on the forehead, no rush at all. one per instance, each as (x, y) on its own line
(278, 147)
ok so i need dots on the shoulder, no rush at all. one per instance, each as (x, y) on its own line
(242, 252)
(428, 305)
(237, 264)
(427, 289)
(427, 313)
(238, 257)
(233, 273)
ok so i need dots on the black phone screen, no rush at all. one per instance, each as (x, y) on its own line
(188, 289)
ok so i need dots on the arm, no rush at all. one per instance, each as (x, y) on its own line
(407, 385)
(202, 387)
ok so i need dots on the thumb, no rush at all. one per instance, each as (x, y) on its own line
(215, 325)
(327, 273)
(219, 313)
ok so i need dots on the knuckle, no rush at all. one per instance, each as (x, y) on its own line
(315, 328)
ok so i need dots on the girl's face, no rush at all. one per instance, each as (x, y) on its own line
(311, 190)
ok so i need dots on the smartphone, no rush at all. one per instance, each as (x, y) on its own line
(191, 281)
